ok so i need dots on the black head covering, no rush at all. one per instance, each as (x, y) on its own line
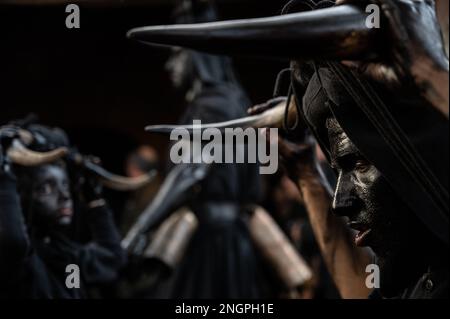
(47, 138)
(423, 130)
(209, 69)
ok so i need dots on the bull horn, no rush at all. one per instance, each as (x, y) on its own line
(120, 183)
(20, 155)
(338, 32)
(273, 117)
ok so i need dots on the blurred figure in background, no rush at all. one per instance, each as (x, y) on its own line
(36, 243)
(141, 161)
(220, 261)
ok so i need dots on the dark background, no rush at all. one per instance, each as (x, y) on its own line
(102, 88)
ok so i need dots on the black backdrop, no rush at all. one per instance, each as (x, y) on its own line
(99, 86)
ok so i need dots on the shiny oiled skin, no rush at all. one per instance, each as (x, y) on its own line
(400, 241)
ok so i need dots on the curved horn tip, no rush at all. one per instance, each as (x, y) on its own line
(152, 128)
(341, 29)
(131, 34)
(135, 33)
(20, 155)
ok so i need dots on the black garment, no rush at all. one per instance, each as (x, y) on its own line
(13, 239)
(432, 285)
(36, 267)
(221, 261)
(229, 182)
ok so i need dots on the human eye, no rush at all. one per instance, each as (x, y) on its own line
(45, 189)
(362, 166)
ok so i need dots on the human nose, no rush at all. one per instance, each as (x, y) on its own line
(344, 200)
(64, 194)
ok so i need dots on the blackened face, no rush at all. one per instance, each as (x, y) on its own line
(382, 221)
(51, 198)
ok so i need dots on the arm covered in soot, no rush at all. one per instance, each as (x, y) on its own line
(102, 258)
(345, 262)
(14, 241)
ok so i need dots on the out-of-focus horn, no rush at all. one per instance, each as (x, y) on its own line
(170, 241)
(120, 183)
(20, 155)
(273, 117)
(336, 33)
(276, 248)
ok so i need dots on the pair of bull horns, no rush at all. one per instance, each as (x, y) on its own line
(117, 182)
(334, 33)
(19, 154)
(126, 184)
(111, 180)
(272, 117)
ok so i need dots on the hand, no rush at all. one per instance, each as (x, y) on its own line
(90, 186)
(7, 135)
(261, 108)
(296, 148)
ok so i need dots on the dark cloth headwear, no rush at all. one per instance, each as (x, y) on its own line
(47, 138)
(194, 11)
(401, 135)
(209, 69)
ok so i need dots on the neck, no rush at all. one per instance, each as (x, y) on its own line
(40, 231)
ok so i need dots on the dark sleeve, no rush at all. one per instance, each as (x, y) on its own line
(375, 295)
(101, 259)
(14, 241)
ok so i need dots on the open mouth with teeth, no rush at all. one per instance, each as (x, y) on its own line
(364, 230)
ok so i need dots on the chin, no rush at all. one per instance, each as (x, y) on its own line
(65, 220)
